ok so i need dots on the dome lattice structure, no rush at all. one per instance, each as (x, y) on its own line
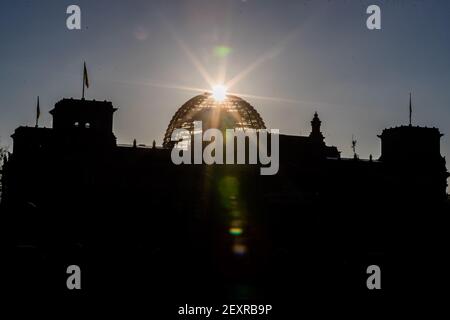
(231, 113)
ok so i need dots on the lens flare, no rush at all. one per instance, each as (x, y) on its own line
(239, 249)
(219, 93)
(236, 231)
(222, 51)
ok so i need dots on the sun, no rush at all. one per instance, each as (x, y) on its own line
(219, 92)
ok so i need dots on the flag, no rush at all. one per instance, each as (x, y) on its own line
(85, 77)
(38, 111)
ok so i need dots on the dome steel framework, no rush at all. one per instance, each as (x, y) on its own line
(231, 113)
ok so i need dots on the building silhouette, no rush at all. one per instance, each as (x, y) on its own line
(72, 186)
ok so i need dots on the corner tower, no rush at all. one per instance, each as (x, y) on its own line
(414, 152)
(85, 121)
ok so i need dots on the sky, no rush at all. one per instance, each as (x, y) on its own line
(291, 58)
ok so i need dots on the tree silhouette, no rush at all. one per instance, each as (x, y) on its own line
(3, 154)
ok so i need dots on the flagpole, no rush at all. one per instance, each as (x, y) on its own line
(38, 112)
(82, 95)
(85, 79)
(410, 109)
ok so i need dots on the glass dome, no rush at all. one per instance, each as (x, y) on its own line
(230, 113)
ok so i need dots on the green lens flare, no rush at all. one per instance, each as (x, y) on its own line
(236, 231)
(222, 51)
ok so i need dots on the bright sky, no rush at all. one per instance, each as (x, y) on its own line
(290, 58)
